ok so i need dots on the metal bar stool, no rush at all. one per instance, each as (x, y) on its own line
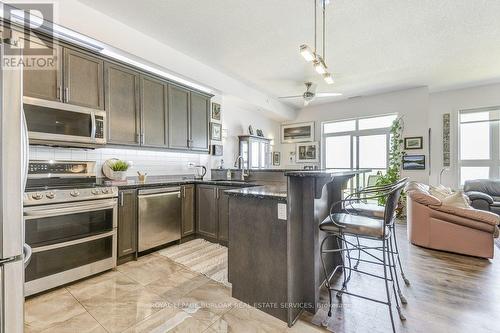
(362, 207)
(343, 224)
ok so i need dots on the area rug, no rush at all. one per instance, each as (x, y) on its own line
(201, 256)
(497, 242)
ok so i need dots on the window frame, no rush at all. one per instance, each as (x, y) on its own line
(493, 163)
(354, 135)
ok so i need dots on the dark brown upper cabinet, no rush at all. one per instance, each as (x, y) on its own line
(189, 119)
(154, 111)
(142, 109)
(83, 79)
(199, 121)
(122, 104)
(178, 124)
(46, 83)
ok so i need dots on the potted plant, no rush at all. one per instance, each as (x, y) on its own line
(393, 173)
(119, 170)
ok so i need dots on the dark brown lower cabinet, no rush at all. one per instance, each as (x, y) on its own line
(206, 211)
(223, 215)
(127, 225)
(212, 213)
(188, 218)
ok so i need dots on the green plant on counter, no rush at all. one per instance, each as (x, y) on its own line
(119, 166)
(396, 154)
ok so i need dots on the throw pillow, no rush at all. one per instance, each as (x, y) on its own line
(441, 192)
(457, 199)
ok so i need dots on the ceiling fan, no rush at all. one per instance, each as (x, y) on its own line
(311, 94)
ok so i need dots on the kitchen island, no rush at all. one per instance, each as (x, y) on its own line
(274, 238)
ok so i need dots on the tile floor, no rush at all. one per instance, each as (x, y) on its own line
(449, 293)
(153, 294)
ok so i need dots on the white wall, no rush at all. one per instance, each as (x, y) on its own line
(452, 102)
(236, 116)
(420, 110)
(411, 104)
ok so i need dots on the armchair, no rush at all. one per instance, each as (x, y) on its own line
(484, 194)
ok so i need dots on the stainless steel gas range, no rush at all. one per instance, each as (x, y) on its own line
(70, 223)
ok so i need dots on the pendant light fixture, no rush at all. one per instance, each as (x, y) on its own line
(312, 55)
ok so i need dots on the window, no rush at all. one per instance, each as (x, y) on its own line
(357, 144)
(479, 144)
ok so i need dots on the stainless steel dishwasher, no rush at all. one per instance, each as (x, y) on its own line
(159, 216)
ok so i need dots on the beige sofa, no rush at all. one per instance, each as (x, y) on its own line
(434, 225)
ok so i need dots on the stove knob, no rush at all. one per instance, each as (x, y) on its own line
(50, 195)
(74, 193)
(95, 191)
(37, 196)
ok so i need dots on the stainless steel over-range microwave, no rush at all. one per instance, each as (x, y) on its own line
(61, 124)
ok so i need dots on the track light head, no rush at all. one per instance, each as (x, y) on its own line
(319, 66)
(307, 53)
(328, 78)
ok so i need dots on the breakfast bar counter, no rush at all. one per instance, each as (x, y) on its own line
(273, 257)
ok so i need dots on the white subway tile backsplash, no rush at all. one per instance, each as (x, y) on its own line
(152, 162)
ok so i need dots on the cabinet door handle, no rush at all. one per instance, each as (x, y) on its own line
(137, 138)
(66, 94)
(59, 94)
(121, 199)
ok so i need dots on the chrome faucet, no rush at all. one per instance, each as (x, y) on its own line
(239, 164)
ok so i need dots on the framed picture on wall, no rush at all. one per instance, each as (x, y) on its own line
(217, 150)
(215, 111)
(307, 152)
(300, 132)
(414, 162)
(414, 142)
(216, 131)
(276, 158)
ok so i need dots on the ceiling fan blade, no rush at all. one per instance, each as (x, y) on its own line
(328, 94)
(297, 96)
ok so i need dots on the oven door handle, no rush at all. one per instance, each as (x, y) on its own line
(73, 242)
(45, 211)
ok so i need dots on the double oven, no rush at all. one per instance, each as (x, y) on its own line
(70, 224)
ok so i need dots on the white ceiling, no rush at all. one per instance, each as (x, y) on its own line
(372, 46)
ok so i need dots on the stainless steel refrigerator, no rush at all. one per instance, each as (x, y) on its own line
(13, 170)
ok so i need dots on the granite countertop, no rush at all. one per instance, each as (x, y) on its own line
(326, 172)
(133, 182)
(256, 170)
(267, 191)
